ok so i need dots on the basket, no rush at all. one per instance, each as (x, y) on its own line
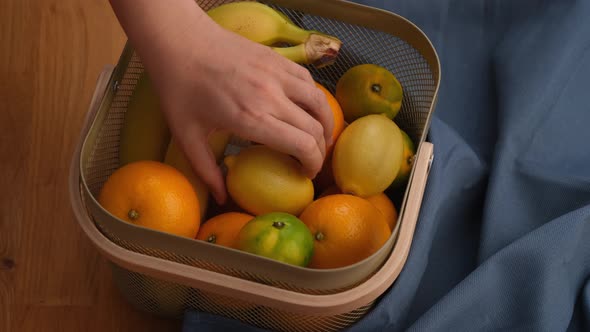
(166, 274)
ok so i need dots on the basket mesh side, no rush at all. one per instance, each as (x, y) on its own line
(170, 299)
(220, 268)
(162, 297)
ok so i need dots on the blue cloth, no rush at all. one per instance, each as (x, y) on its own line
(503, 238)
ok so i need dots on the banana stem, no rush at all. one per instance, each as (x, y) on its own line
(293, 34)
(319, 49)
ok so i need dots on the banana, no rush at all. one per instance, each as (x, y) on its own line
(177, 159)
(264, 25)
(145, 133)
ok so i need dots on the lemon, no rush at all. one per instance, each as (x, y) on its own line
(262, 180)
(367, 156)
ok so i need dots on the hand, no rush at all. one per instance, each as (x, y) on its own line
(219, 80)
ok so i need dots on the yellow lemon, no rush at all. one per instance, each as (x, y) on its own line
(367, 156)
(261, 180)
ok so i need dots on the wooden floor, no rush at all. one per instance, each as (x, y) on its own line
(51, 278)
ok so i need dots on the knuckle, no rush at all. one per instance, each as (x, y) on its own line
(316, 129)
(254, 115)
(251, 118)
(306, 145)
(319, 99)
(305, 74)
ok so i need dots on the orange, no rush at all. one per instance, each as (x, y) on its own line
(154, 195)
(336, 112)
(223, 228)
(325, 178)
(346, 230)
(387, 208)
(368, 89)
(381, 202)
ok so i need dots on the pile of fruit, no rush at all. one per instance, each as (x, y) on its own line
(334, 220)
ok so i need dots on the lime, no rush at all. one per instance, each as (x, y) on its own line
(277, 235)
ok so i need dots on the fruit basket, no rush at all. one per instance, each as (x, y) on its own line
(165, 274)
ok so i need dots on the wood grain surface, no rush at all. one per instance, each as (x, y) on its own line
(51, 278)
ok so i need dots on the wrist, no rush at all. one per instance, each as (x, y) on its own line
(160, 30)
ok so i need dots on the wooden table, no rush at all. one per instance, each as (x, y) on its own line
(51, 278)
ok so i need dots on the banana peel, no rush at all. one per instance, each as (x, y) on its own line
(265, 25)
(145, 133)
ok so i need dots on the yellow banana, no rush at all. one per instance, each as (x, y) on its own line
(264, 25)
(177, 159)
(145, 134)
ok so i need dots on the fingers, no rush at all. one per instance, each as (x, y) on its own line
(198, 152)
(314, 101)
(278, 135)
(298, 71)
(295, 116)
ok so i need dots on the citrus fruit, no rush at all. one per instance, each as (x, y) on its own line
(223, 228)
(277, 235)
(368, 89)
(262, 180)
(175, 157)
(325, 177)
(386, 207)
(337, 114)
(407, 161)
(346, 229)
(153, 195)
(381, 202)
(367, 156)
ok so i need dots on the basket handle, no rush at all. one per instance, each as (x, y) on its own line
(244, 289)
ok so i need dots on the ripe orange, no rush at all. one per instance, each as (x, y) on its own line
(338, 116)
(385, 205)
(381, 202)
(346, 230)
(223, 228)
(153, 195)
(325, 177)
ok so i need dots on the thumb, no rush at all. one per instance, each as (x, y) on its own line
(198, 152)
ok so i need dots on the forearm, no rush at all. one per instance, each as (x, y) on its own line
(162, 29)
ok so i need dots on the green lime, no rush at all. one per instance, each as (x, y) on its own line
(277, 235)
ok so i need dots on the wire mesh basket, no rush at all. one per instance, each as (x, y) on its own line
(166, 274)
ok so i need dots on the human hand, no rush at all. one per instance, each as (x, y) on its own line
(219, 80)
